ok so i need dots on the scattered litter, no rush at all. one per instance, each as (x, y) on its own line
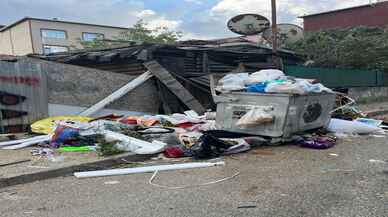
(316, 142)
(174, 152)
(346, 108)
(247, 207)
(38, 167)
(377, 161)
(190, 186)
(76, 149)
(351, 127)
(111, 182)
(145, 169)
(371, 122)
(333, 155)
(333, 168)
(56, 159)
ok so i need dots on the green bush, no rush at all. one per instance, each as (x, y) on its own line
(352, 48)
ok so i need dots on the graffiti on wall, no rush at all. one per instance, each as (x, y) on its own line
(20, 80)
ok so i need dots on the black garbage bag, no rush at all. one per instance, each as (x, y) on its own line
(209, 146)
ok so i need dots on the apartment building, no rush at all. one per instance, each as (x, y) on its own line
(44, 36)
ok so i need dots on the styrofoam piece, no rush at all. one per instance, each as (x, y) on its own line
(351, 127)
(148, 169)
(117, 94)
(14, 142)
(134, 145)
(27, 144)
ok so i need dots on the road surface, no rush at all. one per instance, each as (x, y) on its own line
(348, 180)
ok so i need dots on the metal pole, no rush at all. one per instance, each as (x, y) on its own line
(274, 34)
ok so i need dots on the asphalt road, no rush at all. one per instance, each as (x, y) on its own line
(276, 181)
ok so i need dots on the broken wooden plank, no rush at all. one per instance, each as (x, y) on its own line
(117, 94)
(174, 86)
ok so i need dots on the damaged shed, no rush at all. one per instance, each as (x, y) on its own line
(189, 62)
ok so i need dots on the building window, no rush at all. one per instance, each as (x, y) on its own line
(47, 49)
(87, 36)
(52, 33)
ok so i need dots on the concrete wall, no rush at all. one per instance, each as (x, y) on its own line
(16, 40)
(80, 86)
(5, 43)
(369, 94)
(73, 32)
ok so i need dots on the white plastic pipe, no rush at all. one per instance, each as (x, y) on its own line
(127, 171)
(14, 142)
(117, 94)
(27, 144)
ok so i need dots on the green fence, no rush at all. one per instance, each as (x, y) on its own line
(340, 77)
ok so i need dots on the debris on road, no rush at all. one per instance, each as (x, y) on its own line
(189, 186)
(148, 169)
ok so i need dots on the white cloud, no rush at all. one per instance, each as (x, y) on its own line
(112, 12)
(287, 10)
(198, 2)
(155, 20)
(202, 20)
(146, 13)
(163, 22)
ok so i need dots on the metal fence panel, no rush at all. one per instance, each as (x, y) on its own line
(23, 94)
(340, 77)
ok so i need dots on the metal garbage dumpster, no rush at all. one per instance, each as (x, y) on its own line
(291, 113)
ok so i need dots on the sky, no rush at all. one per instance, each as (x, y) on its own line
(197, 19)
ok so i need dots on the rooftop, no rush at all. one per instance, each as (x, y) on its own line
(371, 5)
(3, 28)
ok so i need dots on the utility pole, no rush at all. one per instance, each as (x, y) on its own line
(274, 35)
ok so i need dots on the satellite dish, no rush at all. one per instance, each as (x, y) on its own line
(248, 24)
(287, 34)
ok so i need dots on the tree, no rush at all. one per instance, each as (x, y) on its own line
(353, 48)
(139, 33)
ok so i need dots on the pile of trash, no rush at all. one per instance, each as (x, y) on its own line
(177, 135)
(190, 134)
(269, 81)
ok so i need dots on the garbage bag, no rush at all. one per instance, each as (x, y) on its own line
(64, 135)
(47, 126)
(257, 88)
(320, 142)
(264, 76)
(208, 147)
(285, 87)
(232, 82)
(130, 144)
(241, 146)
(298, 86)
(255, 116)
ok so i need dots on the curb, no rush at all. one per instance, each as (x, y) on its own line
(66, 171)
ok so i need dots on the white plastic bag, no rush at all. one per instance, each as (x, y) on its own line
(256, 116)
(264, 75)
(285, 87)
(134, 145)
(351, 127)
(232, 82)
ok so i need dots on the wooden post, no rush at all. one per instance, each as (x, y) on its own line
(274, 35)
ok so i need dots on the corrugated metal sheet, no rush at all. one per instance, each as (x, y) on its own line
(23, 89)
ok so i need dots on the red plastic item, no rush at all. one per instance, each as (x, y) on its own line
(173, 152)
